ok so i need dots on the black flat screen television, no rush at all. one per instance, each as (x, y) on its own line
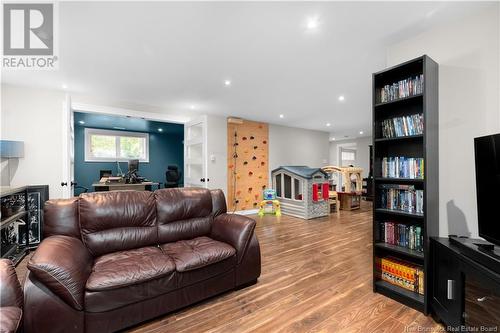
(487, 152)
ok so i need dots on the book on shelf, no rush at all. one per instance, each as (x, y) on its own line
(403, 198)
(403, 126)
(407, 236)
(405, 88)
(403, 167)
(401, 273)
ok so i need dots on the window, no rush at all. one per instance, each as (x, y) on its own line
(106, 145)
(297, 189)
(288, 186)
(347, 157)
(277, 185)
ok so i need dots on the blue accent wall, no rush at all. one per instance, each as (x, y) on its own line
(164, 149)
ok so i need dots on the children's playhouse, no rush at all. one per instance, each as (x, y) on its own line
(302, 191)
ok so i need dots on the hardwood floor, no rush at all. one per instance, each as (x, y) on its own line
(316, 277)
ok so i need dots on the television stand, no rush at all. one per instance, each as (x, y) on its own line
(479, 250)
(465, 291)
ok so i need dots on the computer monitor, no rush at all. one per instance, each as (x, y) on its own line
(105, 173)
(133, 166)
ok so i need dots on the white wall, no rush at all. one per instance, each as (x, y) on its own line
(362, 146)
(35, 117)
(295, 146)
(468, 55)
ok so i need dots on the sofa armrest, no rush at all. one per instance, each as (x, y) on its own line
(234, 229)
(63, 264)
(11, 294)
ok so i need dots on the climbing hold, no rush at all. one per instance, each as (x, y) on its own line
(264, 142)
(254, 158)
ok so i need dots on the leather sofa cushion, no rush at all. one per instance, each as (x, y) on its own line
(194, 276)
(130, 267)
(117, 221)
(10, 318)
(110, 299)
(183, 213)
(197, 253)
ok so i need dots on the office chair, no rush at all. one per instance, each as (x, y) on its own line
(172, 176)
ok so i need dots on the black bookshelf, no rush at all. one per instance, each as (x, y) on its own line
(418, 146)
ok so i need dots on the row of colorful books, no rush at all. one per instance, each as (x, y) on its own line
(403, 167)
(403, 126)
(402, 89)
(402, 197)
(408, 236)
(401, 273)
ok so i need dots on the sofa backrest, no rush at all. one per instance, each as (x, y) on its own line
(183, 213)
(61, 218)
(114, 221)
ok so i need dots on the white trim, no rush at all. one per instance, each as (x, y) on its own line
(353, 145)
(245, 212)
(90, 108)
(90, 131)
(188, 142)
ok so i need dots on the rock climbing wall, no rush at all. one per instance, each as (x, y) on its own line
(247, 161)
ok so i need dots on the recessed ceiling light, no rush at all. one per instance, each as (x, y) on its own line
(333, 139)
(361, 132)
(192, 106)
(64, 86)
(282, 116)
(81, 122)
(160, 129)
(328, 124)
(227, 83)
(341, 98)
(312, 23)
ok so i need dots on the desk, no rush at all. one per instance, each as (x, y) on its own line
(349, 200)
(145, 186)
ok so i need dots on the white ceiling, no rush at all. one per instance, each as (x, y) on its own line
(174, 55)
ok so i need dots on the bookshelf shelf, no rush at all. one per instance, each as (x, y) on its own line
(398, 212)
(401, 250)
(425, 190)
(399, 100)
(411, 298)
(399, 180)
(399, 138)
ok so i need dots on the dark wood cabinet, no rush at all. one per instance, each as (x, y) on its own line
(465, 294)
(446, 284)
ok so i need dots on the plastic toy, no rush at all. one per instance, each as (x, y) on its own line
(269, 205)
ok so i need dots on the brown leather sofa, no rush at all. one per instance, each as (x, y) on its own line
(11, 298)
(114, 259)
